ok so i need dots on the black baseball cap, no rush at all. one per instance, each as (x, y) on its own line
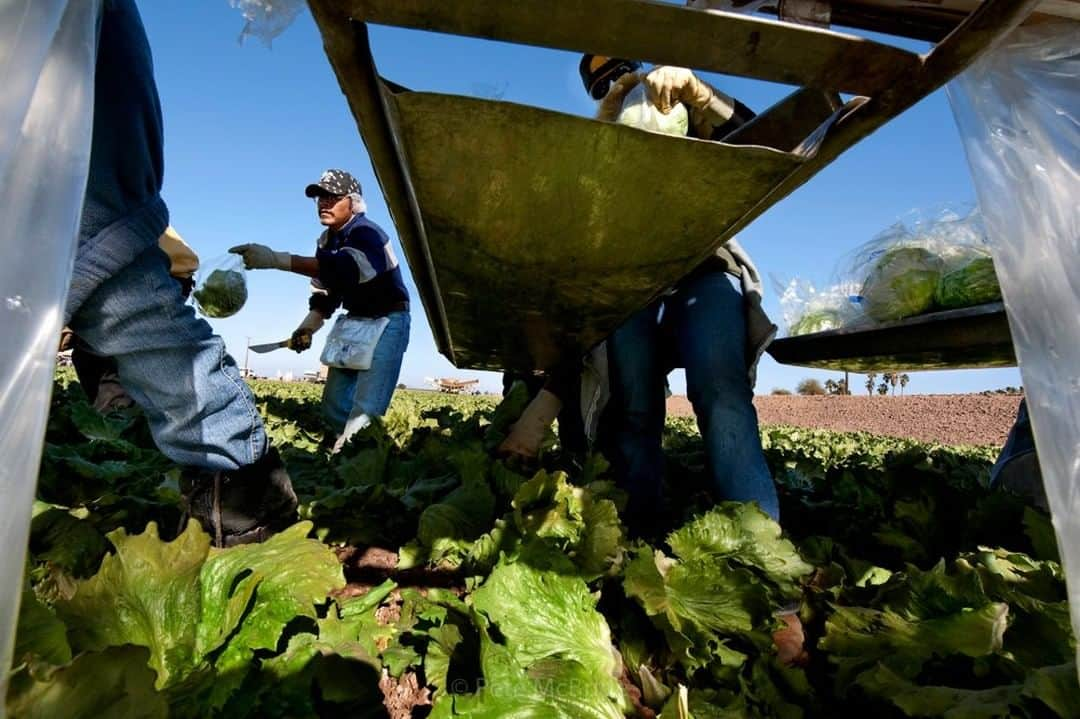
(333, 182)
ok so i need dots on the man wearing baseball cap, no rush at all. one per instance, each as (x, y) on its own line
(354, 267)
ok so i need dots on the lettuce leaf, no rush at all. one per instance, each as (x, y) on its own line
(113, 684)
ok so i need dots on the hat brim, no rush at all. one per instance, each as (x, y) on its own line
(317, 190)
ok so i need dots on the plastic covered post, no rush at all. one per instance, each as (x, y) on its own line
(1017, 113)
(47, 54)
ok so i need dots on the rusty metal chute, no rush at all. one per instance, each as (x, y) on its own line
(522, 226)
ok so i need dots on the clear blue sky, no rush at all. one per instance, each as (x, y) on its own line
(247, 127)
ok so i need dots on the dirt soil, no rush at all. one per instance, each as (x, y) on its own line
(949, 418)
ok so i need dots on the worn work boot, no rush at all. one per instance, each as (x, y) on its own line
(244, 505)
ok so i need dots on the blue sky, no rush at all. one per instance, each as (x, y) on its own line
(247, 127)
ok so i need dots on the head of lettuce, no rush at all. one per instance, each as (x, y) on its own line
(901, 283)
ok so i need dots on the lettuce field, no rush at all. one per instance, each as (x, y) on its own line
(428, 578)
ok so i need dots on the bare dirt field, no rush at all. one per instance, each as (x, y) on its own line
(949, 418)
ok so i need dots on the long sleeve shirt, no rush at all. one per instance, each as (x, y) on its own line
(358, 270)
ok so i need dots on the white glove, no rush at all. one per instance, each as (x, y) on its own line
(667, 85)
(261, 257)
(709, 108)
(528, 432)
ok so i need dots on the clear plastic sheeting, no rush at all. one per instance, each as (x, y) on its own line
(807, 310)
(1018, 110)
(47, 52)
(266, 19)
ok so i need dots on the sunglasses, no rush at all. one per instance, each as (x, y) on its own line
(328, 200)
(602, 84)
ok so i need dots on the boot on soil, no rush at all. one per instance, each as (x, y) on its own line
(244, 505)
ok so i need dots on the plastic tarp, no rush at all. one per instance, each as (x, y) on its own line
(1018, 109)
(47, 53)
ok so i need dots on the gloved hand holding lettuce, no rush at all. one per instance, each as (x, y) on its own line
(527, 434)
(660, 100)
(709, 108)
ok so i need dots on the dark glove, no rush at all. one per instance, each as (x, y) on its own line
(300, 340)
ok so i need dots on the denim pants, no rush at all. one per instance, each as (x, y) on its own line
(122, 302)
(172, 364)
(123, 213)
(703, 329)
(352, 396)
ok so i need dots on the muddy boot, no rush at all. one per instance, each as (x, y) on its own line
(244, 505)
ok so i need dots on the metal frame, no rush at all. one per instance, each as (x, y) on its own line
(929, 20)
(967, 338)
(888, 80)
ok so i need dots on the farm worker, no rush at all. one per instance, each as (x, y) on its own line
(98, 375)
(124, 304)
(354, 266)
(1017, 467)
(703, 323)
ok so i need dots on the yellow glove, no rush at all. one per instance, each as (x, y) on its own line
(528, 432)
(611, 105)
(301, 338)
(183, 260)
(261, 257)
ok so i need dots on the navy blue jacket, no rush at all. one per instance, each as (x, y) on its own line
(358, 270)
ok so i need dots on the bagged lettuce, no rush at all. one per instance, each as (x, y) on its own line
(807, 310)
(223, 291)
(973, 283)
(638, 112)
(901, 283)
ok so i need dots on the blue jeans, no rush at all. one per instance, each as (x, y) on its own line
(353, 394)
(122, 302)
(702, 329)
(123, 213)
(172, 364)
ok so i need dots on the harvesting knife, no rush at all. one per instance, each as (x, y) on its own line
(270, 347)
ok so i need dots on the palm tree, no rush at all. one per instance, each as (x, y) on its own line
(870, 379)
(887, 379)
(894, 377)
(904, 379)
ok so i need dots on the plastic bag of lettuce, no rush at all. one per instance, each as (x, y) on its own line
(934, 265)
(807, 310)
(637, 111)
(968, 283)
(221, 289)
(915, 266)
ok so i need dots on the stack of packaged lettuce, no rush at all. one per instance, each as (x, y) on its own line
(910, 269)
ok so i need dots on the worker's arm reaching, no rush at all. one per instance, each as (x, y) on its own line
(261, 257)
(527, 434)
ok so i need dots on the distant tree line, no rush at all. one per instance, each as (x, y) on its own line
(888, 383)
